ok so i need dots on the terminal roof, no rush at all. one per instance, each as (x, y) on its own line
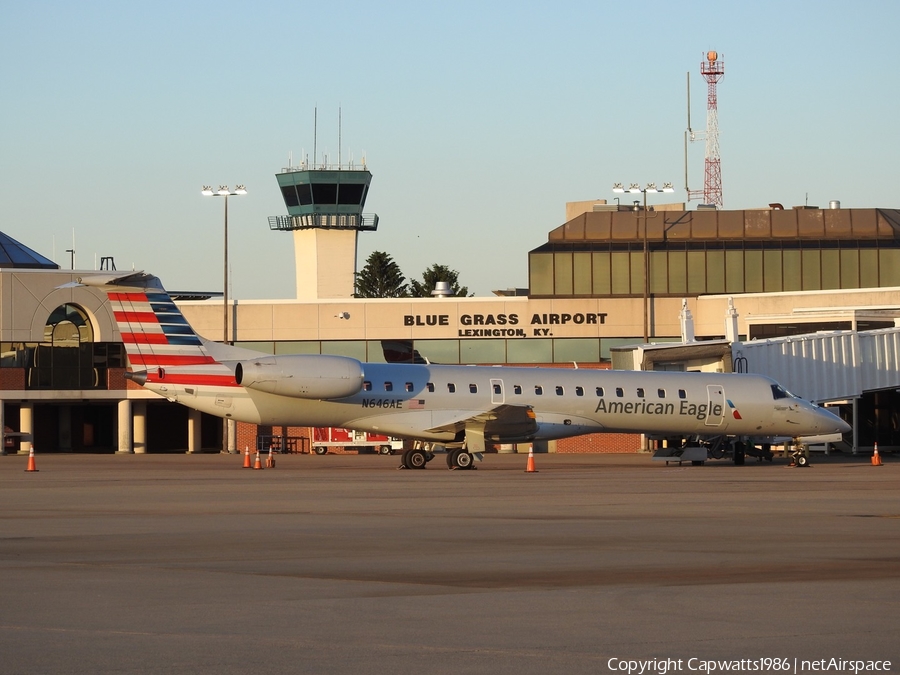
(17, 255)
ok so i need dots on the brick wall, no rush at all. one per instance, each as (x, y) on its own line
(12, 378)
(115, 379)
(247, 433)
(599, 443)
(592, 443)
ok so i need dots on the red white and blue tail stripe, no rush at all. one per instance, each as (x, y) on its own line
(157, 337)
(155, 332)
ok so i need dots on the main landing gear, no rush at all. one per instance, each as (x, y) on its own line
(416, 458)
(422, 453)
(460, 459)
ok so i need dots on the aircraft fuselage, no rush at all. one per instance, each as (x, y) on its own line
(434, 402)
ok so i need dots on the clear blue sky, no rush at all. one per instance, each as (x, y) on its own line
(479, 121)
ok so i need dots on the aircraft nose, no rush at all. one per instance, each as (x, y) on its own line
(832, 421)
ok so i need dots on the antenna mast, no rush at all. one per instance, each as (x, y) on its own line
(712, 70)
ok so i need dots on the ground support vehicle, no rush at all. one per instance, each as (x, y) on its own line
(335, 437)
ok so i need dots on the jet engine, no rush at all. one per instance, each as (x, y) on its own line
(309, 376)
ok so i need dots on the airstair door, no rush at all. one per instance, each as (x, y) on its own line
(715, 411)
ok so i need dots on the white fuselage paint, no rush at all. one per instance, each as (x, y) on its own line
(400, 402)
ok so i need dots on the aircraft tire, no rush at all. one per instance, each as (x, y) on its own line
(739, 457)
(451, 459)
(415, 459)
(463, 460)
(802, 460)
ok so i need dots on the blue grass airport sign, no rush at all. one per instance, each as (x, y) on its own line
(508, 325)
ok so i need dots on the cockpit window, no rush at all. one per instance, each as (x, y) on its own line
(778, 392)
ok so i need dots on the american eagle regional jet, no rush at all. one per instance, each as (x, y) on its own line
(459, 407)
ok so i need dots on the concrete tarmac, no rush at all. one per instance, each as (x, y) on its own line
(343, 564)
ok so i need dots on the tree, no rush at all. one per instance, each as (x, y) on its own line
(380, 278)
(430, 277)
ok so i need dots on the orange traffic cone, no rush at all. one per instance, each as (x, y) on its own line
(876, 458)
(257, 465)
(247, 458)
(270, 461)
(31, 466)
(529, 467)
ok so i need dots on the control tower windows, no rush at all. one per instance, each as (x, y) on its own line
(289, 193)
(324, 193)
(304, 193)
(350, 193)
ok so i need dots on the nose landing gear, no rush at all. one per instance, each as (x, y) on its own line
(799, 455)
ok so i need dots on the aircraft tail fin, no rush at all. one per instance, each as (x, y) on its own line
(155, 332)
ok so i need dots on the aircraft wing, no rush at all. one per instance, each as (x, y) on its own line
(504, 420)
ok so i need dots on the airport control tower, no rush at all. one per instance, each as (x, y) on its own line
(325, 213)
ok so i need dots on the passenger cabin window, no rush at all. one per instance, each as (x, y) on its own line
(620, 392)
(367, 386)
(517, 389)
(661, 393)
(559, 390)
(498, 389)
(389, 386)
(681, 393)
(473, 388)
(778, 392)
(451, 387)
(579, 391)
(409, 386)
(599, 391)
(430, 386)
(640, 392)
(538, 389)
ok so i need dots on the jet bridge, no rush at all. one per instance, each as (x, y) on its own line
(828, 367)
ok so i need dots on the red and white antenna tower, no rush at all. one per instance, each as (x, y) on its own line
(712, 70)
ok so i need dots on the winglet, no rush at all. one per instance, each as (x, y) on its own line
(107, 279)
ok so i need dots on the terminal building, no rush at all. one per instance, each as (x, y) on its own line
(613, 286)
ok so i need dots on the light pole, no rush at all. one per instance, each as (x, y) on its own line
(229, 435)
(634, 188)
(225, 192)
